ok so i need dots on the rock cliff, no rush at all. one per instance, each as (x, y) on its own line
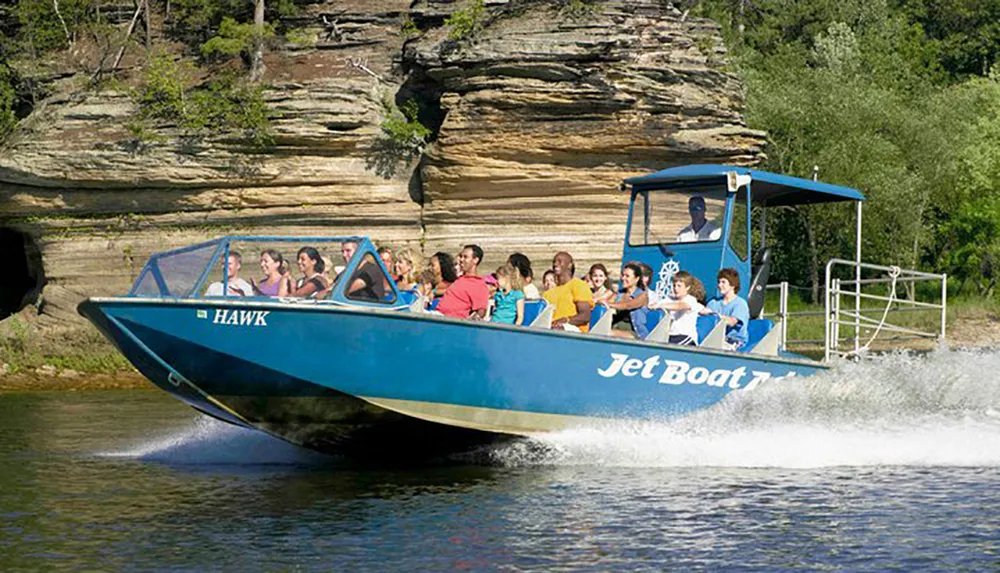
(536, 120)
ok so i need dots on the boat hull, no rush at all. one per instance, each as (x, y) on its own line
(357, 381)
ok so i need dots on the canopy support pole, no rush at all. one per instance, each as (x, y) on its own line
(857, 282)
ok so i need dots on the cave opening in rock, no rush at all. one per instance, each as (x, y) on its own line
(23, 276)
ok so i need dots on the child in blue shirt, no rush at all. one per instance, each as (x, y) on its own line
(731, 309)
(509, 297)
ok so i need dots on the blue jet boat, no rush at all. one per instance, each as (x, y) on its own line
(365, 376)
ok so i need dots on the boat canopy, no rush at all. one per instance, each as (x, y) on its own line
(768, 189)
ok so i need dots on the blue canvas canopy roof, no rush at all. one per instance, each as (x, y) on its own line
(770, 189)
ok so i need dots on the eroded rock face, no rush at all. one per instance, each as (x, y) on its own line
(547, 111)
(544, 113)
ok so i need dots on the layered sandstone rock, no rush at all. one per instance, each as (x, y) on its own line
(548, 110)
(537, 120)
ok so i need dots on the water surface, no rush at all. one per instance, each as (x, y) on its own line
(892, 465)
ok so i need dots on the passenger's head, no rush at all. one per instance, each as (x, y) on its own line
(426, 282)
(406, 267)
(647, 275)
(549, 280)
(523, 266)
(687, 284)
(492, 284)
(696, 208)
(443, 266)
(510, 278)
(327, 266)
(234, 264)
(272, 262)
(729, 279)
(309, 261)
(469, 259)
(563, 266)
(599, 276)
(347, 250)
(385, 253)
(631, 277)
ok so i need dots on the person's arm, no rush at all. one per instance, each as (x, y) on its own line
(631, 304)
(519, 320)
(671, 305)
(306, 290)
(581, 318)
(285, 287)
(479, 299)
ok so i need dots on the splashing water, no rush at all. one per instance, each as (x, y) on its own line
(939, 409)
(211, 442)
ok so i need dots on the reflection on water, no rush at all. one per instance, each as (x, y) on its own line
(892, 465)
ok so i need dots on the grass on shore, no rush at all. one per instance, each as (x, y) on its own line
(84, 350)
(808, 329)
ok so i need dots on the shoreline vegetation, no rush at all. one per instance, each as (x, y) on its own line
(36, 361)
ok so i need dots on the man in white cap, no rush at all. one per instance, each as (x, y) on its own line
(700, 229)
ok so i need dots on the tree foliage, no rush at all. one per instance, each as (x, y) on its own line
(893, 98)
(226, 103)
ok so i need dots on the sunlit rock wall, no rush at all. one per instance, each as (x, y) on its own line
(537, 119)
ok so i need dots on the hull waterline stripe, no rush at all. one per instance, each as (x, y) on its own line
(486, 419)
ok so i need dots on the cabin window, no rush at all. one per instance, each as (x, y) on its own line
(678, 216)
(738, 231)
(369, 283)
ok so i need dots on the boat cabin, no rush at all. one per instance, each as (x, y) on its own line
(697, 218)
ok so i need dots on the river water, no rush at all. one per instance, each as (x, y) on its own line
(892, 464)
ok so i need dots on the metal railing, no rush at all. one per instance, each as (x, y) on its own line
(837, 315)
(873, 320)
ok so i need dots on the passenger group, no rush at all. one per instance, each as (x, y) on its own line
(458, 289)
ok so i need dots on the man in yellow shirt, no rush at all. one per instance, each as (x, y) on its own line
(571, 297)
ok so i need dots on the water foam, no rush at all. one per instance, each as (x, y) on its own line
(940, 409)
(211, 442)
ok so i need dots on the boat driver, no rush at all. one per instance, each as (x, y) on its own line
(700, 229)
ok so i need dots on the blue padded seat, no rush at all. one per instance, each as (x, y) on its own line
(706, 322)
(434, 304)
(756, 330)
(406, 297)
(596, 313)
(531, 310)
(654, 317)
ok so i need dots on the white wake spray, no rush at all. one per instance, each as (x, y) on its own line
(940, 409)
(211, 442)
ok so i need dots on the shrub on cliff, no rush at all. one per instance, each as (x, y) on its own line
(467, 21)
(8, 99)
(403, 138)
(227, 103)
(235, 39)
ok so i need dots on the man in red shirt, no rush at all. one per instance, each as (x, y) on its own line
(468, 296)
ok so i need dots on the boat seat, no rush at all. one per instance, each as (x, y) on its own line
(653, 318)
(434, 304)
(544, 317)
(419, 304)
(660, 332)
(757, 329)
(407, 297)
(711, 332)
(600, 319)
(762, 273)
(532, 308)
(769, 343)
